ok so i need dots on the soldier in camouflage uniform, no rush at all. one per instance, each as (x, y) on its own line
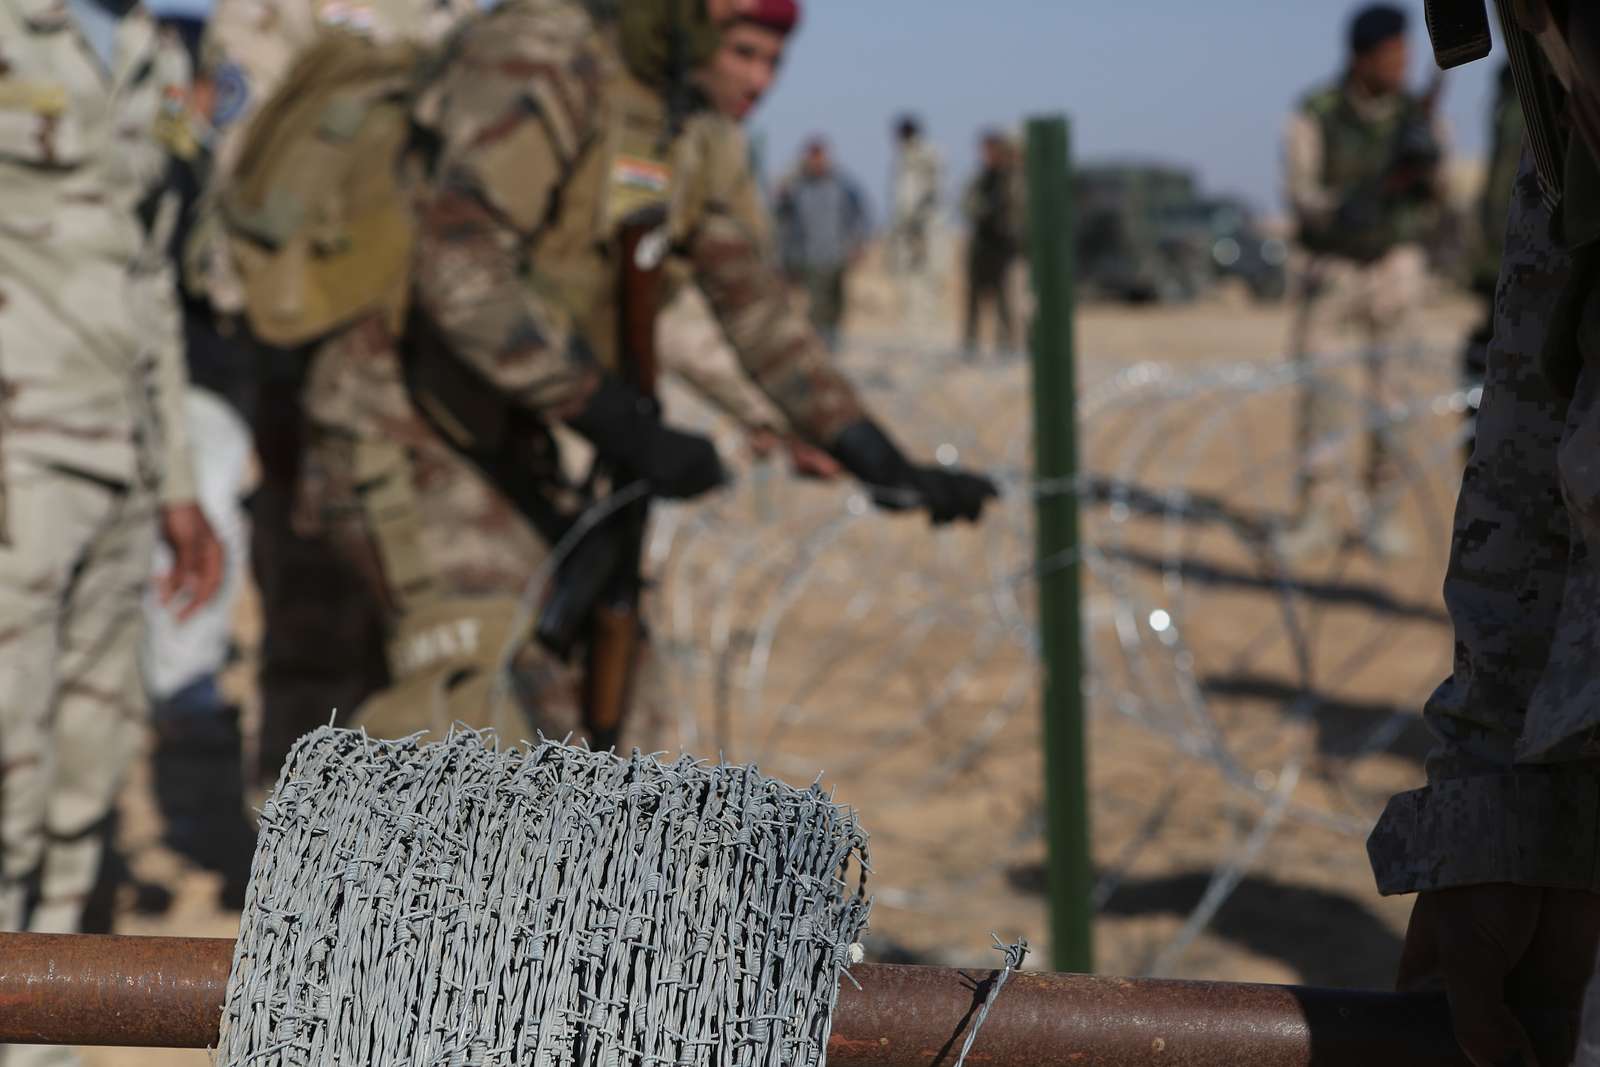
(1363, 175)
(322, 644)
(95, 460)
(1510, 806)
(551, 125)
(994, 208)
(1501, 845)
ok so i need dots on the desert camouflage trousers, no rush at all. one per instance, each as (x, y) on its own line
(1344, 306)
(71, 705)
(405, 510)
(1512, 794)
(321, 637)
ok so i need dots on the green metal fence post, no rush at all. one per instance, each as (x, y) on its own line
(1056, 464)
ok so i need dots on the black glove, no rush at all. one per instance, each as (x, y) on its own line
(948, 493)
(626, 430)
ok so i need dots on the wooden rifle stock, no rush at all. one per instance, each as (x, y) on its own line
(614, 626)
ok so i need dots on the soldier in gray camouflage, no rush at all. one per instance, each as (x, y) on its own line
(1502, 844)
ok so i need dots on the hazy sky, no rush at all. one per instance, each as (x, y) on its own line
(1208, 83)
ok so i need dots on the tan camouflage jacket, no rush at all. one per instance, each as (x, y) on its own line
(546, 143)
(91, 359)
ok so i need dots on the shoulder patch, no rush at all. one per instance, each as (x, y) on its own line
(231, 87)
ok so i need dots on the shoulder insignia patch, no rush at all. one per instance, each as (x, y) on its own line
(231, 86)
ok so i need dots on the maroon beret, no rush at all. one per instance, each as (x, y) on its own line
(780, 15)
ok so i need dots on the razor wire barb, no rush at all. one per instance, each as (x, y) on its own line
(462, 905)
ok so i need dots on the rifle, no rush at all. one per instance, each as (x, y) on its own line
(1414, 156)
(1567, 34)
(596, 593)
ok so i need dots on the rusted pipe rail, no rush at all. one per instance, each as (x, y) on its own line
(168, 992)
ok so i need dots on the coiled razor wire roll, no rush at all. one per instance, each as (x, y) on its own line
(461, 905)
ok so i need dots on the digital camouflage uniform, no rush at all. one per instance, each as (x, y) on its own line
(1363, 281)
(1511, 794)
(91, 378)
(545, 143)
(913, 227)
(322, 644)
(1507, 127)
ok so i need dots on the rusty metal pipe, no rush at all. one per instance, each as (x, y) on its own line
(918, 1016)
(168, 992)
(162, 992)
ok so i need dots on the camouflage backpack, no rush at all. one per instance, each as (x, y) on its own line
(318, 216)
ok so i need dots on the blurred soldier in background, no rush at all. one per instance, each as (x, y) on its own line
(521, 321)
(822, 228)
(993, 205)
(1364, 181)
(1507, 128)
(96, 460)
(322, 642)
(691, 343)
(914, 216)
(1501, 845)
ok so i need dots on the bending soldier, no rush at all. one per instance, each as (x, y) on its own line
(551, 129)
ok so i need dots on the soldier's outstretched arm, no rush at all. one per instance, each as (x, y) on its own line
(785, 357)
(469, 286)
(509, 121)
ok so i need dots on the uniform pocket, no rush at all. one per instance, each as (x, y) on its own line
(37, 124)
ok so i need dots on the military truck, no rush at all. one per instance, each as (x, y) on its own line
(1147, 235)
(1224, 232)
